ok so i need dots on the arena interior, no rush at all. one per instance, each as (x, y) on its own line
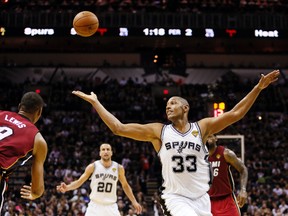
(208, 51)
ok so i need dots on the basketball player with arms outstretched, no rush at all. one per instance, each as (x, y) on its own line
(20, 140)
(223, 199)
(181, 147)
(104, 175)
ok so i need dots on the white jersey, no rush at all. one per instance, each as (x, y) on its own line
(185, 166)
(104, 183)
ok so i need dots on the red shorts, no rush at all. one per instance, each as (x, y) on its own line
(225, 206)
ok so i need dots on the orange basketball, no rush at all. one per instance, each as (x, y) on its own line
(85, 23)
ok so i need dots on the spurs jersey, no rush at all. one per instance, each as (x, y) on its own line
(104, 183)
(184, 158)
(17, 136)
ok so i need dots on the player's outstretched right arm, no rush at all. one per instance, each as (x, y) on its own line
(77, 183)
(142, 132)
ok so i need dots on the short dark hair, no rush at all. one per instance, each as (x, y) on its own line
(31, 102)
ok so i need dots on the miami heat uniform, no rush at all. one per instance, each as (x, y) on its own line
(103, 194)
(223, 200)
(185, 171)
(17, 136)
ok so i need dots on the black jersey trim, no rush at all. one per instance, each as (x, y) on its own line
(163, 204)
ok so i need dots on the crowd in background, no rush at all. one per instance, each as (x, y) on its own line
(74, 133)
(196, 6)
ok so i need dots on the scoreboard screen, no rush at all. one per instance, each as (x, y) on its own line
(208, 33)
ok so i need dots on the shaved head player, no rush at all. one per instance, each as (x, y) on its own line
(181, 147)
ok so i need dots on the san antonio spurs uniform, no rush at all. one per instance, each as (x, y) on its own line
(103, 194)
(185, 171)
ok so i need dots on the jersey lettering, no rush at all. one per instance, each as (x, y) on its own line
(15, 121)
(180, 163)
(180, 145)
(106, 176)
(215, 172)
(5, 132)
(104, 187)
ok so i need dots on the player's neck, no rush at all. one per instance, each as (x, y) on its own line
(106, 163)
(24, 115)
(181, 126)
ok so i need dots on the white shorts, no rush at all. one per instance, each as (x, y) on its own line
(176, 205)
(97, 209)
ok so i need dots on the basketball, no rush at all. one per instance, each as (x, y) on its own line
(85, 23)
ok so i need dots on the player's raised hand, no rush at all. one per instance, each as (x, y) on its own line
(62, 187)
(267, 79)
(89, 98)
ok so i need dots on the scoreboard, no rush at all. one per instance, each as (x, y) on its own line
(147, 32)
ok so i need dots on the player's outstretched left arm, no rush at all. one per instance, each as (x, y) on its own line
(214, 125)
(128, 191)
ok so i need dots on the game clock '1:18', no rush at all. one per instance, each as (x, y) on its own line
(167, 32)
(154, 32)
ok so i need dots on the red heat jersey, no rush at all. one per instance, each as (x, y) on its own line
(17, 136)
(223, 183)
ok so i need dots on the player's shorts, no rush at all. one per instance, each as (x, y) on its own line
(102, 210)
(175, 205)
(225, 206)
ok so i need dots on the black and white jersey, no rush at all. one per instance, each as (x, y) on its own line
(184, 158)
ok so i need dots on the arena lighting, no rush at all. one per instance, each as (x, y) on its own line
(267, 34)
(2, 31)
(165, 91)
(35, 31)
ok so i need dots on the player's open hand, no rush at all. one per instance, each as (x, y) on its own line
(89, 98)
(26, 192)
(267, 79)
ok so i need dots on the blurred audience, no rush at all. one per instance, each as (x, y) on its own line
(138, 6)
